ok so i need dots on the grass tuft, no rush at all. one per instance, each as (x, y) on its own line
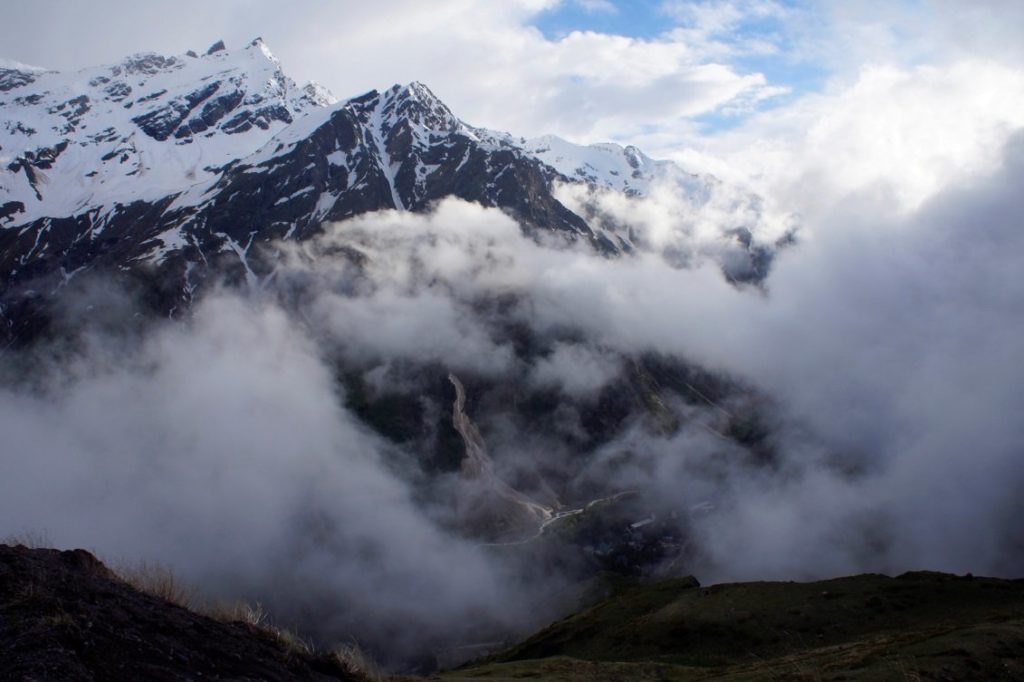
(237, 612)
(353, 660)
(159, 581)
(30, 539)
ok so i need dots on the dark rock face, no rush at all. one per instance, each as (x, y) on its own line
(401, 149)
(161, 123)
(223, 154)
(213, 111)
(65, 616)
(147, 64)
(14, 78)
(373, 154)
(33, 161)
(10, 209)
(183, 169)
(216, 47)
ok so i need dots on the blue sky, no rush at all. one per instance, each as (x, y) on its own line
(753, 41)
(635, 18)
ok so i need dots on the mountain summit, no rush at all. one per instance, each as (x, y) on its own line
(143, 128)
(170, 165)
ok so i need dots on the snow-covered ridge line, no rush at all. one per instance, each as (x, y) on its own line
(87, 138)
(13, 65)
(176, 166)
(153, 126)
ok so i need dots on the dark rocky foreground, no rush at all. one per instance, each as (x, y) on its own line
(65, 616)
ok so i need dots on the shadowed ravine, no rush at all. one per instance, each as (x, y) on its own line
(487, 499)
(478, 470)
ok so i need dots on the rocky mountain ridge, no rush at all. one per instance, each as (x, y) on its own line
(143, 128)
(178, 169)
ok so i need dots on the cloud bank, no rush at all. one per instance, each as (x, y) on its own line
(881, 356)
(221, 449)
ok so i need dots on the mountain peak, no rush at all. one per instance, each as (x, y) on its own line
(258, 44)
(15, 74)
(415, 89)
(319, 95)
(114, 120)
(231, 130)
(416, 92)
(13, 65)
(416, 103)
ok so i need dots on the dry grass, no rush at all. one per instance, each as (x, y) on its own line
(32, 539)
(256, 616)
(292, 642)
(154, 579)
(355, 661)
(349, 657)
(237, 612)
(159, 581)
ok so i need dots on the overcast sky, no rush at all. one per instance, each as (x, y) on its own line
(666, 73)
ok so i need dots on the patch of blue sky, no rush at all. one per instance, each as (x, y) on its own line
(785, 63)
(722, 119)
(764, 43)
(632, 18)
(798, 77)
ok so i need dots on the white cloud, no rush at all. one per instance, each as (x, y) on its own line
(220, 448)
(713, 27)
(483, 58)
(576, 369)
(905, 133)
(892, 337)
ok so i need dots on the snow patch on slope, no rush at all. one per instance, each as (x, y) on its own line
(174, 121)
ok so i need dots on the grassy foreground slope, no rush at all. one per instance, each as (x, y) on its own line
(66, 616)
(918, 626)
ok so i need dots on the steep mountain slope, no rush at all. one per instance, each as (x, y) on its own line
(176, 165)
(141, 129)
(178, 169)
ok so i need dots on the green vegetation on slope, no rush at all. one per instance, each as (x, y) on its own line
(868, 627)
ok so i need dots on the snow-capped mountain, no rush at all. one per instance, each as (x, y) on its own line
(144, 128)
(624, 169)
(179, 165)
